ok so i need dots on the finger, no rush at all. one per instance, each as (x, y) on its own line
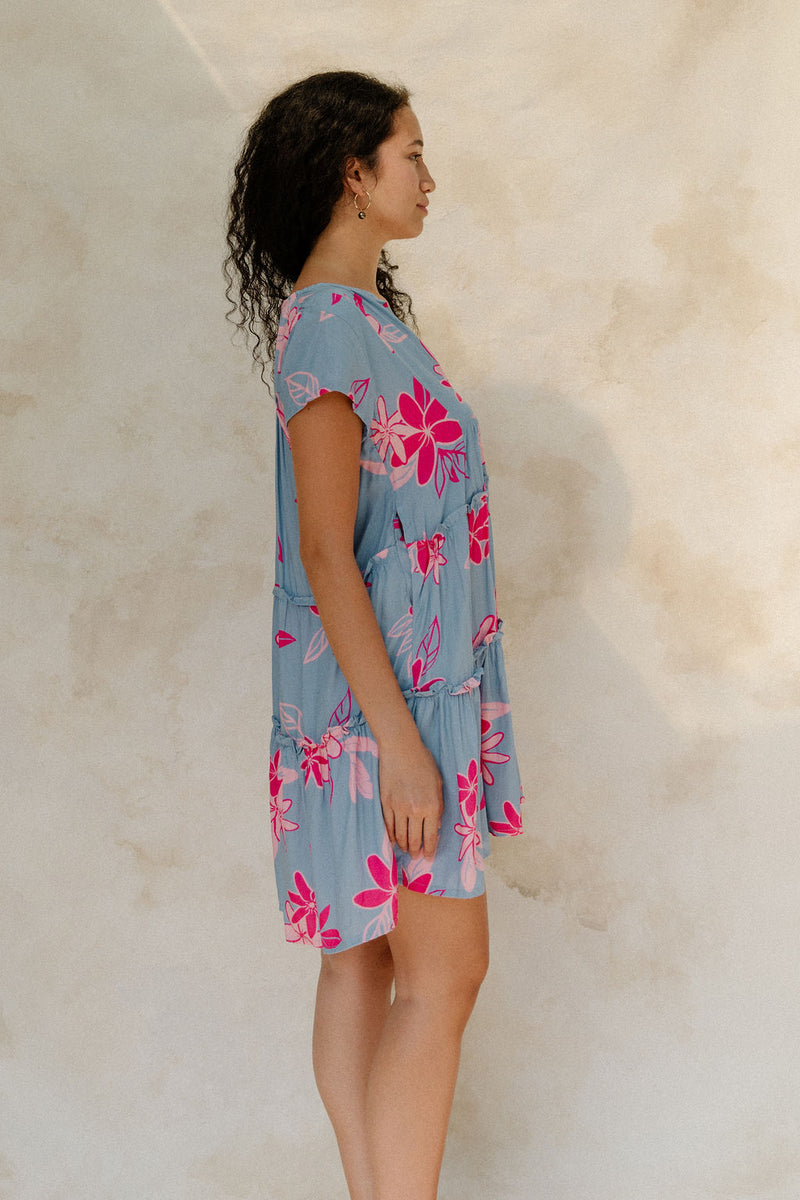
(415, 833)
(431, 836)
(388, 820)
(401, 830)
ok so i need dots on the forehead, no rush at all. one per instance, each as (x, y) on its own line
(406, 127)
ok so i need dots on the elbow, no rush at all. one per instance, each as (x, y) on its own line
(324, 558)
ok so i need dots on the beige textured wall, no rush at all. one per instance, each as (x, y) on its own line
(610, 273)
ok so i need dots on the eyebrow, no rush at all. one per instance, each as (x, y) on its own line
(416, 142)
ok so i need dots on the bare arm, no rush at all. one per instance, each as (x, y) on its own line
(326, 450)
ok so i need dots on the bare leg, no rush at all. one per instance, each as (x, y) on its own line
(441, 953)
(353, 997)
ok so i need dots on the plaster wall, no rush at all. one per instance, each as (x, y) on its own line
(609, 273)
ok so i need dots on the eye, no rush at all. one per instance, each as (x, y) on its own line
(416, 157)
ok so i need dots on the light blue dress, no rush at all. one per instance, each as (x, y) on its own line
(423, 544)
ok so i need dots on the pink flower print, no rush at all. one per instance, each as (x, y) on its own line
(304, 922)
(292, 721)
(316, 757)
(292, 317)
(451, 462)
(315, 763)
(479, 532)
(489, 753)
(328, 938)
(512, 826)
(282, 638)
(486, 630)
(360, 781)
(425, 657)
(426, 556)
(303, 386)
(418, 879)
(431, 427)
(388, 432)
(303, 904)
(399, 476)
(388, 333)
(332, 741)
(279, 804)
(469, 855)
(403, 628)
(374, 468)
(419, 883)
(384, 895)
(316, 646)
(385, 891)
(358, 390)
(341, 714)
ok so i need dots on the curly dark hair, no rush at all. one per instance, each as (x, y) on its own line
(288, 179)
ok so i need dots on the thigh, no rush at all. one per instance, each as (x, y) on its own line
(370, 959)
(440, 941)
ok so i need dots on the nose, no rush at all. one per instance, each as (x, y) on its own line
(428, 184)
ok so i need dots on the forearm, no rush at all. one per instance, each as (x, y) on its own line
(326, 451)
(351, 627)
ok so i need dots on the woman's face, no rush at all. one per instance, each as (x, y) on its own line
(402, 181)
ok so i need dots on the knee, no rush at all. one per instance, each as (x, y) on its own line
(473, 972)
(472, 969)
(451, 987)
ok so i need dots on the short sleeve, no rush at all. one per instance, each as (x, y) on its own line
(319, 352)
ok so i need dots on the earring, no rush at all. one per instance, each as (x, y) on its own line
(362, 212)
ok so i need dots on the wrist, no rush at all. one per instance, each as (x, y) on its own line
(400, 734)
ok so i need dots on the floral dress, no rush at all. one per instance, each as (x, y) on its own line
(423, 544)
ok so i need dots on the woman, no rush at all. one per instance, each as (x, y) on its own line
(388, 675)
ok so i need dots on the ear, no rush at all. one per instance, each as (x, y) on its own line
(352, 176)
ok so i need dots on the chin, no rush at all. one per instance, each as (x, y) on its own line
(410, 227)
(405, 234)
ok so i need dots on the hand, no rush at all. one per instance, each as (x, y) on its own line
(411, 795)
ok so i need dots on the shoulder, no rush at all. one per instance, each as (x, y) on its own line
(314, 323)
(321, 305)
(324, 345)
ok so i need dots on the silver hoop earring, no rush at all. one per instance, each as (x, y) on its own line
(362, 212)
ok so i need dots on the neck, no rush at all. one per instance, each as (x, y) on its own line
(347, 252)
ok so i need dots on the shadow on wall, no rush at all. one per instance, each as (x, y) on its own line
(596, 748)
(561, 509)
(601, 764)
